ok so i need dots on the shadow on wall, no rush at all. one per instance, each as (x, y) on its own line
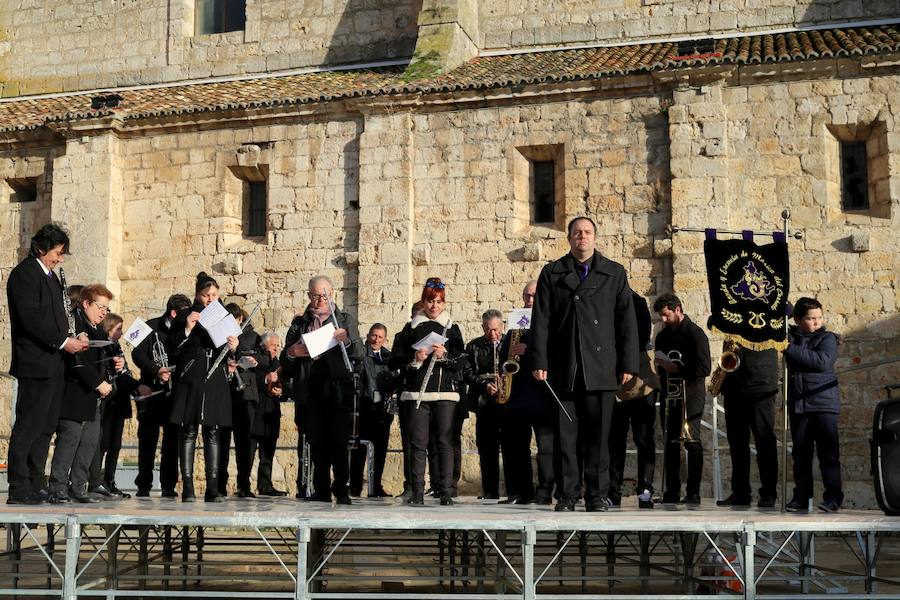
(832, 11)
(861, 391)
(370, 31)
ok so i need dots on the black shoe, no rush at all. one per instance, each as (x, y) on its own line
(446, 499)
(85, 498)
(670, 499)
(404, 495)
(168, 493)
(242, 493)
(514, 499)
(797, 506)
(101, 490)
(693, 499)
(489, 497)
(543, 499)
(565, 506)
(766, 502)
(379, 493)
(145, 493)
(213, 496)
(735, 501)
(319, 498)
(187, 492)
(829, 506)
(356, 492)
(272, 492)
(30, 499)
(648, 503)
(415, 500)
(111, 486)
(343, 499)
(597, 505)
(58, 497)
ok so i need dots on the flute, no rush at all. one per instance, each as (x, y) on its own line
(430, 369)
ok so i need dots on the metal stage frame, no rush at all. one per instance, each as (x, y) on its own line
(378, 549)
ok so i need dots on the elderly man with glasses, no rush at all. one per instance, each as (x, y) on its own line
(323, 392)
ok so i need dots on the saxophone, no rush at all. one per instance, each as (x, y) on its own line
(509, 369)
(728, 363)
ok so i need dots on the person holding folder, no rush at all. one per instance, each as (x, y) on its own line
(429, 351)
(201, 396)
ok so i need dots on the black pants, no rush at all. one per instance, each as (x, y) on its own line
(746, 414)
(516, 447)
(671, 416)
(591, 414)
(374, 426)
(106, 458)
(431, 419)
(487, 439)
(150, 423)
(326, 422)
(266, 447)
(243, 413)
(37, 413)
(434, 470)
(819, 431)
(640, 415)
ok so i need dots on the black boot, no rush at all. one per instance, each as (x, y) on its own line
(186, 448)
(211, 460)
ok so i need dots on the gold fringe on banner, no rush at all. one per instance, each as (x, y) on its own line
(773, 344)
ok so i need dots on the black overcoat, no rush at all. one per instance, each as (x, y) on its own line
(196, 399)
(84, 372)
(593, 319)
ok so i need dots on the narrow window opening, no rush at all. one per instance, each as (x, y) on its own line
(854, 176)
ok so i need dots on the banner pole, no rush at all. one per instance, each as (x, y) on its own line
(786, 215)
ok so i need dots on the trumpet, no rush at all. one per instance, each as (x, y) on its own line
(161, 359)
(728, 363)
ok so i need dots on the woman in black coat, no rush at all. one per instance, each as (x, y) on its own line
(431, 388)
(198, 400)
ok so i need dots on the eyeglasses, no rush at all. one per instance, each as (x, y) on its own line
(102, 307)
(435, 284)
(317, 297)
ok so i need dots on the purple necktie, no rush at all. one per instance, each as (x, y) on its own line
(583, 271)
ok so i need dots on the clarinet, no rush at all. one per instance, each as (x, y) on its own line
(431, 367)
(67, 306)
(334, 320)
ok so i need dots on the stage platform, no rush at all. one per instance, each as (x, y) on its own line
(381, 549)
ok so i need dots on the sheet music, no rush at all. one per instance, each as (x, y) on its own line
(320, 341)
(221, 331)
(212, 314)
(432, 339)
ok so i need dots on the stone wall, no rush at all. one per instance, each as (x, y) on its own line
(58, 45)
(518, 24)
(379, 196)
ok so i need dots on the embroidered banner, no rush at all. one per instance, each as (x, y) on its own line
(748, 289)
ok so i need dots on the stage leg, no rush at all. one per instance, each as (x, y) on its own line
(143, 566)
(749, 564)
(500, 585)
(529, 537)
(688, 552)
(644, 539)
(14, 547)
(73, 547)
(301, 589)
(51, 547)
(185, 554)
(582, 559)
(168, 555)
(112, 556)
(806, 540)
(480, 562)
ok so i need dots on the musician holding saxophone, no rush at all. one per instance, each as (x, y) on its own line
(683, 371)
(483, 381)
(41, 337)
(750, 386)
(323, 392)
(152, 359)
(528, 409)
(431, 384)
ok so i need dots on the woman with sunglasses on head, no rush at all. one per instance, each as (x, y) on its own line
(198, 399)
(431, 389)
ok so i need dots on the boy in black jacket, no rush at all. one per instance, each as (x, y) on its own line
(814, 402)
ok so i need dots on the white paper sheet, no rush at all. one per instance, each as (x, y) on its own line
(519, 318)
(320, 341)
(137, 333)
(220, 332)
(212, 314)
(432, 339)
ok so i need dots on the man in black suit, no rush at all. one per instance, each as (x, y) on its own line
(40, 337)
(153, 414)
(585, 344)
